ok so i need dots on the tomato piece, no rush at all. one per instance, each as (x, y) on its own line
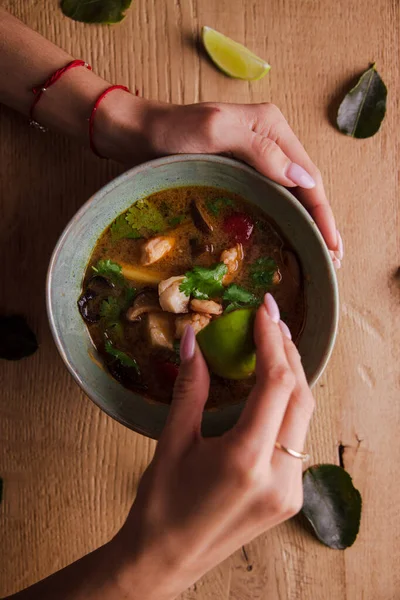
(167, 372)
(239, 226)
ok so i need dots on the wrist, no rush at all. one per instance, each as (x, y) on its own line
(142, 573)
(124, 125)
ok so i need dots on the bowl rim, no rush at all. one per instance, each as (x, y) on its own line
(159, 162)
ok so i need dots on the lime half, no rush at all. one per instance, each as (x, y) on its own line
(232, 58)
(227, 344)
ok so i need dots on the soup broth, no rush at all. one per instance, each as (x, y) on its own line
(136, 313)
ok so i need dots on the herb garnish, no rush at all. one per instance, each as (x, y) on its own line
(124, 359)
(111, 270)
(214, 206)
(262, 271)
(145, 218)
(238, 297)
(203, 283)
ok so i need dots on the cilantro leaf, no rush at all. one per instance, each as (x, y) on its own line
(129, 296)
(121, 229)
(214, 206)
(145, 218)
(112, 307)
(110, 269)
(110, 311)
(238, 297)
(124, 359)
(262, 271)
(174, 221)
(204, 283)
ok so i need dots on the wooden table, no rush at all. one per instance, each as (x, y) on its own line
(70, 472)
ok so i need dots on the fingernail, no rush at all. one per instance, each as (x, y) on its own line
(299, 176)
(272, 308)
(336, 263)
(339, 253)
(285, 329)
(188, 344)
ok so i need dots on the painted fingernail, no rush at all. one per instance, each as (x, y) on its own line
(339, 253)
(336, 263)
(188, 344)
(285, 329)
(299, 176)
(272, 308)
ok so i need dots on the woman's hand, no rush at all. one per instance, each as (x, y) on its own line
(257, 134)
(132, 129)
(201, 499)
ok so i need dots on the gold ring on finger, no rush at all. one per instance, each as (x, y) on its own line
(301, 455)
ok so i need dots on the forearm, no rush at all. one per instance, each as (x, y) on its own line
(27, 60)
(109, 573)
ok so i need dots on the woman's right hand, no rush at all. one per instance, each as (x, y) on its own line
(202, 499)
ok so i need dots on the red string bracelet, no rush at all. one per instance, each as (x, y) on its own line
(93, 114)
(39, 90)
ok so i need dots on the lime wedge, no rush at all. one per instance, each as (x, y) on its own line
(232, 58)
(227, 344)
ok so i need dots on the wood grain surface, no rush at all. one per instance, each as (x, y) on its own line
(70, 472)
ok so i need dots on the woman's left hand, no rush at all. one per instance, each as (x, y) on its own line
(257, 134)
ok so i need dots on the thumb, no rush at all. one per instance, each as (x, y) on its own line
(190, 395)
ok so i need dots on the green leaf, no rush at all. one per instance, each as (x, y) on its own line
(204, 283)
(124, 359)
(17, 340)
(332, 505)
(238, 297)
(95, 11)
(362, 110)
(110, 310)
(262, 271)
(121, 229)
(145, 218)
(110, 269)
(174, 221)
(214, 206)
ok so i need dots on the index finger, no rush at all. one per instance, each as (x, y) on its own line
(265, 407)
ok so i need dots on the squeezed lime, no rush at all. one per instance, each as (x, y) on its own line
(228, 346)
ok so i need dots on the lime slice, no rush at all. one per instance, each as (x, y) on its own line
(227, 344)
(232, 58)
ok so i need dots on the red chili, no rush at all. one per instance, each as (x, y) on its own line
(239, 226)
(167, 372)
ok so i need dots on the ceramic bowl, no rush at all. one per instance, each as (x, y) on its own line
(73, 250)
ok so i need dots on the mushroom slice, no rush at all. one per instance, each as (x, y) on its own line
(171, 298)
(208, 307)
(145, 302)
(198, 248)
(197, 320)
(200, 217)
(155, 248)
(161, 330)
(98, 289)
